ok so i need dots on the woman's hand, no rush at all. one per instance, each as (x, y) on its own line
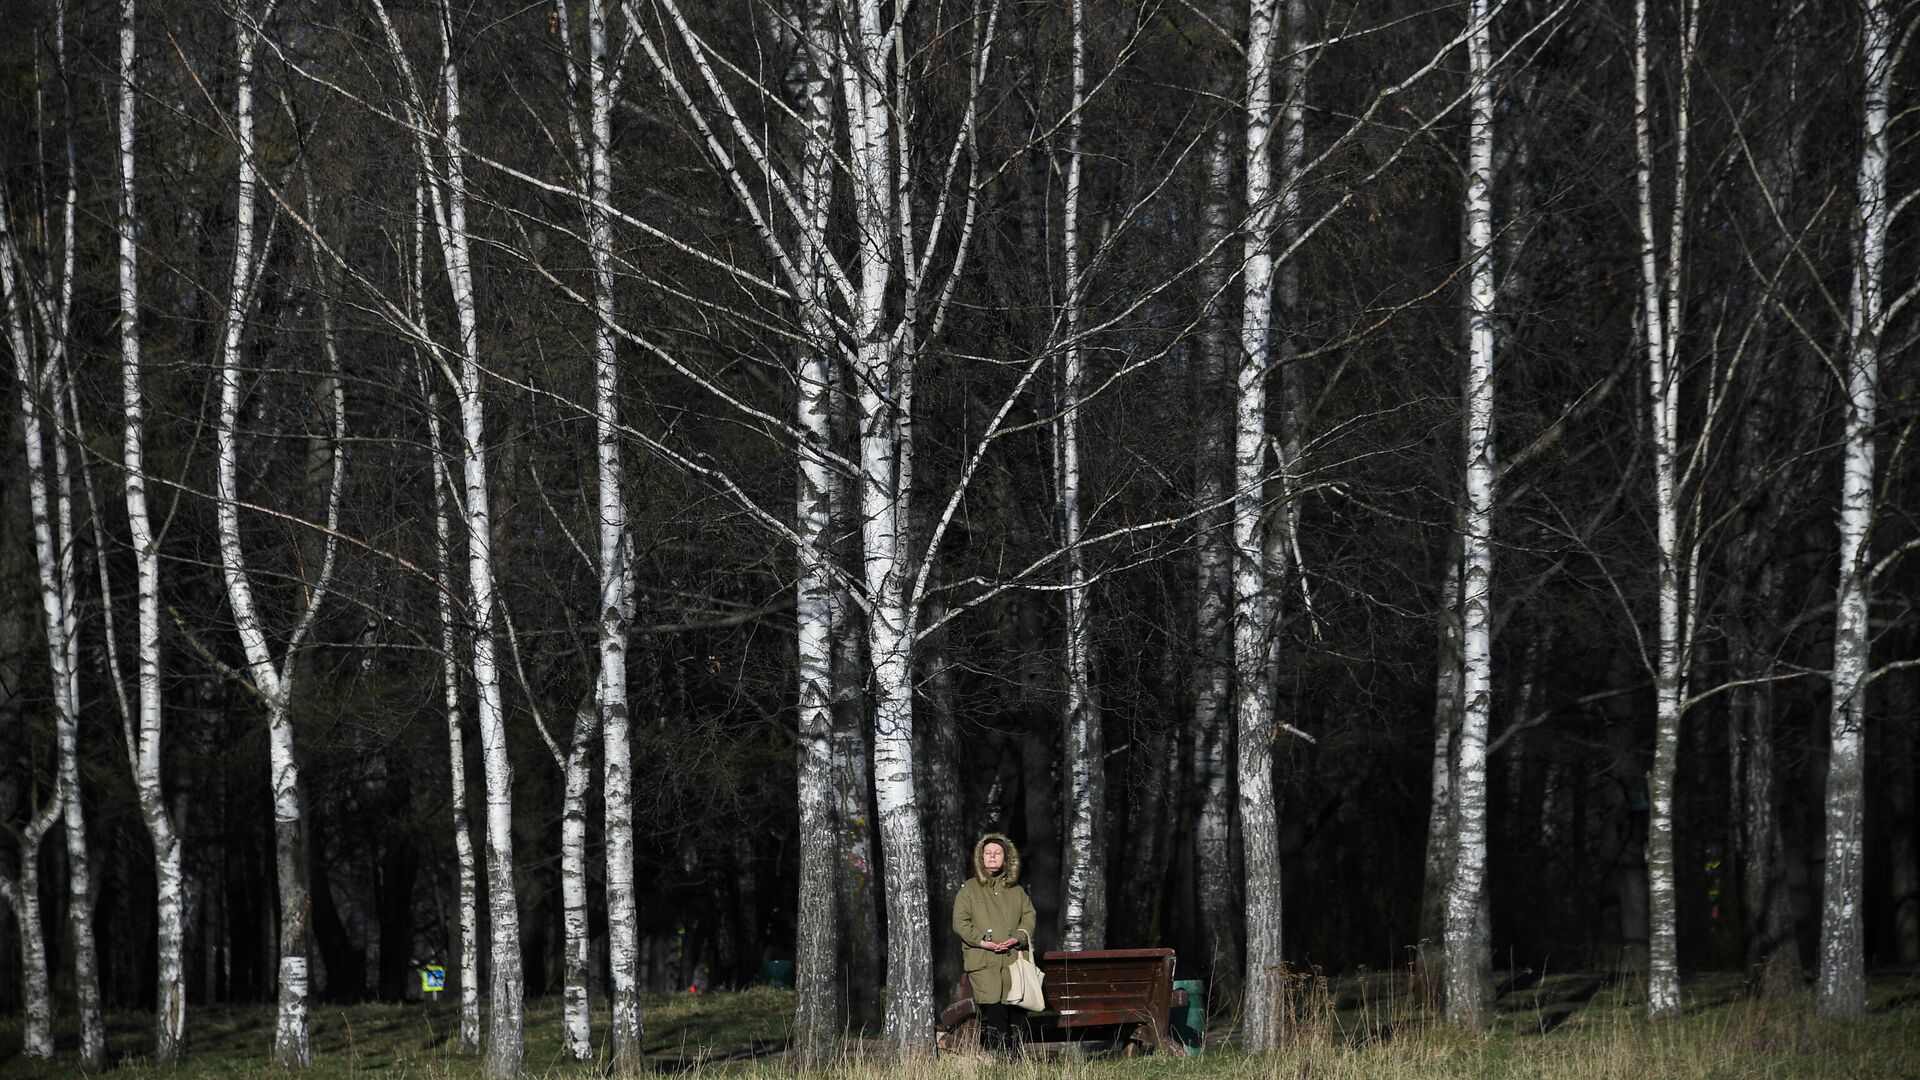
(996, 946)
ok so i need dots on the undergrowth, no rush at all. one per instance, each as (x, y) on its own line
(1372, 1025)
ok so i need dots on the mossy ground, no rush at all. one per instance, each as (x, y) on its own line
(1571, 1025)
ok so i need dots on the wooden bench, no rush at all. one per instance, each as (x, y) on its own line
(1131, 989)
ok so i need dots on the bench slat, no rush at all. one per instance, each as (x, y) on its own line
(1101, 1017)
(1119, 987)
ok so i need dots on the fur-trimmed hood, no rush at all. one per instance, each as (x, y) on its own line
(1009, 873)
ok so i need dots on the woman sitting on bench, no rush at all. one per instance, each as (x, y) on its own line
(993, 916)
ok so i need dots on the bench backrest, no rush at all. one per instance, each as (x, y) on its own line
(1109, 986)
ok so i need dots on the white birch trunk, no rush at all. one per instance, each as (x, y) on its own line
(1083, 906)
(22, 892)
(909, 1016)
(170, 1013)
(467, 914)
(576, 956)
(87, 1002)
(50, 502)
(616, 567)
(273, 680)
(880, 373)
(506, 1050)
(23, 895)
(1842, 988)
(1662, 333)
(1213, 812)
(819, 1012)
(1467, 952)
(1260, 1028)
(466, 888)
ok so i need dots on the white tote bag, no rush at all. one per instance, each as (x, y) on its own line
(1025, 981)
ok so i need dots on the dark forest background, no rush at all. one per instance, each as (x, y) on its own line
(1775, 145)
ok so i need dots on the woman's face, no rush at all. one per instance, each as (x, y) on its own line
(993, 858)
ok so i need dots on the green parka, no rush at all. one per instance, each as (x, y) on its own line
(992, 907)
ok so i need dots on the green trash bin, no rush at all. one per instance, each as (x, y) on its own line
(1190, 1023)
(777, 974)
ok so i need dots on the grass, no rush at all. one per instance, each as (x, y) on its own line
(1366, 1025)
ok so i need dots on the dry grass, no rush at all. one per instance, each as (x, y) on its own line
(1374, 1025)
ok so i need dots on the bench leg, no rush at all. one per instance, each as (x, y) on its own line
(963, 1038)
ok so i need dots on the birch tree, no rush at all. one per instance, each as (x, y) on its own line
(1259, 817)
(575, 764)
(818, 1010)
(1213, 587)
(593, 141)
(883, 375)
(466, 884)
(1661, 330)
(1084, 906)
(21, 892)
(505, 1049)
(271, 679)
(50, 502)
(1466, 949)
(447, 201)
(1261, 552)
(1842, 988)
(39, 312)
(466, 928)
(145, 719)
(616, 572)
(889, 255)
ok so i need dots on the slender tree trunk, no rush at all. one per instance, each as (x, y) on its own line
(467, 914)
(50, 503)
(616, 562)
(576, 956)
(908, 1022)
(820, 1013)
(882, 374)
(1211, 740)
(291, 1045)
(145, 737)
(22, 894)
(274, 681)
(20, 884)
(1260, 1028)
(506, 1050)
(1662, 339)
(1084, 875)
(1467, 950)
(55, 547)
(1843, 982)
